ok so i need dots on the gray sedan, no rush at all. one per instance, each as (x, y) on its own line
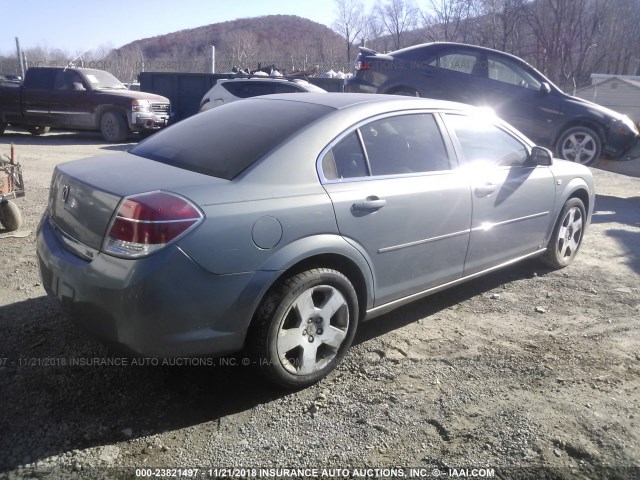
(278, 223)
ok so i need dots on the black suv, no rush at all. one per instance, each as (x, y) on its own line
(575, 129)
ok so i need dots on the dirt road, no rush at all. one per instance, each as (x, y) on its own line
(532, 373)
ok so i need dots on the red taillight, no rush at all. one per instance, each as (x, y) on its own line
(360, 65)
(147, 222)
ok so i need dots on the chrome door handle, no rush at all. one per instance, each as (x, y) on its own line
(485, 190)
(370, 203)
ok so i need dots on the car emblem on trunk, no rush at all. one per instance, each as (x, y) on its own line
(65, 193)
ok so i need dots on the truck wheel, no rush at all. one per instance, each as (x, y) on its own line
(10, 216)
(113, 127)
(37, 130)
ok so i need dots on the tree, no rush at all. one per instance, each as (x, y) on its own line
(448, 20)
(398, 17)
(502, 25)
(618, 50)
(240, 48)
(351, 22)
(375, 34)
(567, 35)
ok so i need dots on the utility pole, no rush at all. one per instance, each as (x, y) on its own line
(20, 58)
(213, 59)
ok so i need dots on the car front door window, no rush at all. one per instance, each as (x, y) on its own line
(509, 72)
(485, 144)
(512, 198)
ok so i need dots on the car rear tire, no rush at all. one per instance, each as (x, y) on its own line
(304, 327)
(10, 216)
(37, 130)
(567, 235)
(113, 127)
(580, 145)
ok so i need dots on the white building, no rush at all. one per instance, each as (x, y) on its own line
(617, 92)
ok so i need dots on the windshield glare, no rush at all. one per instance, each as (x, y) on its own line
(99, 79)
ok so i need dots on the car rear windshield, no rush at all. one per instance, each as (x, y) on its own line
(223, 141)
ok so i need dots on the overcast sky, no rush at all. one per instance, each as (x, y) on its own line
(80, 25)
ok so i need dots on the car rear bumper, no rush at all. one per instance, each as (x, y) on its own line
(357, 85)
(164, 305)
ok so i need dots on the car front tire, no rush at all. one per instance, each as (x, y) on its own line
(304, 327)
(567, 235)
(38, 130)
(113, 127)
(580, 145)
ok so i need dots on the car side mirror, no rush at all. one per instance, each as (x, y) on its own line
(78, 87)
(545, 88)
(541, 156)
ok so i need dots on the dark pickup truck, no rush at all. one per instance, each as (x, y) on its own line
(80, 99)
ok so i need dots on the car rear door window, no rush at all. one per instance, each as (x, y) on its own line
(68, 80)
(456, 61)
(248, 89)
(284, 88)
(484, 143)
(402, 144)
(346, 159)
(256, 89)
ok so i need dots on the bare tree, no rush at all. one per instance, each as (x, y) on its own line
(398, 17)
(126, 64)
(448, 20)
(375, 34)
(240, 47)
(501, 25)
(618, 50)
(351, 22)
(566, 37)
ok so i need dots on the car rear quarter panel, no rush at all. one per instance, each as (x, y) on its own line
(232, 239)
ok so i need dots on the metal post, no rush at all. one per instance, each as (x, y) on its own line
(20, 60)
(213, 59)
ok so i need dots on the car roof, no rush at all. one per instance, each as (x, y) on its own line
(346, 100)
(261, 78)
(435, 45)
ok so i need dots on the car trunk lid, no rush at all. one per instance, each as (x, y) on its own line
(84, 195)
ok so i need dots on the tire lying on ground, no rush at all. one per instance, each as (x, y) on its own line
(10, 216)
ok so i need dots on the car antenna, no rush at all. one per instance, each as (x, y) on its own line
(70, 64)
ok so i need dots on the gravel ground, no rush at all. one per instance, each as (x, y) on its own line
(529, 372)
